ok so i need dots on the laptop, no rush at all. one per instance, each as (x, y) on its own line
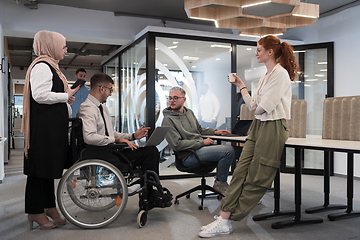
(157, 136)
(241, 128)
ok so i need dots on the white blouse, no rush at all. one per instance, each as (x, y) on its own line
(273, 95)
(41, 84)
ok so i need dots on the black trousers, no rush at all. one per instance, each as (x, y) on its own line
(39, 194)
(147, 158)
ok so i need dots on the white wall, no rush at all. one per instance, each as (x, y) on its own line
(343, 29)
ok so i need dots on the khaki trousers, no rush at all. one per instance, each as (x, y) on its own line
(257, 166)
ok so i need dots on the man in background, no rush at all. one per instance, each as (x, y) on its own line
(83, 92)
(209, 108)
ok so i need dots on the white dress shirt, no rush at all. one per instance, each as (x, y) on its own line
(41, 84)
(209, 107)
(93, 123)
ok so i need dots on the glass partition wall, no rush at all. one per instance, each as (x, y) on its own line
(112, 69)
(145, 70)
(314, 84)
(200, 68)
(133, 88)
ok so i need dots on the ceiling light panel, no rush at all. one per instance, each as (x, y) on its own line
(254, 17)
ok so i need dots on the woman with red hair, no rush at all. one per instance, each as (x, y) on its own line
(260, 157)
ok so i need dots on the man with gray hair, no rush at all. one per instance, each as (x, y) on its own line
(185, 133)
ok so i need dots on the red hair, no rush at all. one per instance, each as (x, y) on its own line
(283, 53)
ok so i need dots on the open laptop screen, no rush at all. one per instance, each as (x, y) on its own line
(241, 127)
(157, 136)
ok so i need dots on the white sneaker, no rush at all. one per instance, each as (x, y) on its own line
(207, 226)
(219, 227)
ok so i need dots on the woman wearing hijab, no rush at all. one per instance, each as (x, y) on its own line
(45, 128)
(268, 133)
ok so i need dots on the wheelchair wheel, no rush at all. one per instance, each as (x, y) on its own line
(92, 194)
(142, 218)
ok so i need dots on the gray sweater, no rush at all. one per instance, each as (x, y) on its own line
(185, 131)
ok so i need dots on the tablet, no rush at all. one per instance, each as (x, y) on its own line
(78, 82)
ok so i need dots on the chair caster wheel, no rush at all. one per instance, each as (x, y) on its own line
(142, 218)
(176, 202)
(219, 197)
(200, 207)
(188, 196)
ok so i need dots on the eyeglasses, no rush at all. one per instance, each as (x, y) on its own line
(257, 51)
(111, 89)
(175, 98)
(65, 48)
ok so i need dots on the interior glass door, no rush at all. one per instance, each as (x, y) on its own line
(314, 84)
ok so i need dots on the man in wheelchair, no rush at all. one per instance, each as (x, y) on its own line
(98, 132)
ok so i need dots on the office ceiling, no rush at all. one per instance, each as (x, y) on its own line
(164, 9)
(85, 55)
(89, 55)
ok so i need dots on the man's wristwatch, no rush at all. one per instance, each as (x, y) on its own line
(133, 136)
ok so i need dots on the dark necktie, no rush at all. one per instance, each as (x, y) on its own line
(102, 114)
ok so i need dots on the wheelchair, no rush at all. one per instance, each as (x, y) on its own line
(93, 193)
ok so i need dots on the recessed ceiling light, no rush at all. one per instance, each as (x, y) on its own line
(165, 64)
(207, 19)
(193, 66)
(217, 59)
(274, 34)
(249, 35)
(306, 16)
(323, 70)
(173, 47)
(190, 58)
(221, 46)
(319, 75)
(254, 4)
(249, 48)
(175, 42)
(320, 63)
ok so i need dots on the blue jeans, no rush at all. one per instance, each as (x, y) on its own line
(223, 154)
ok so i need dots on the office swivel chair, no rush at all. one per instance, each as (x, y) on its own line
(202, 169)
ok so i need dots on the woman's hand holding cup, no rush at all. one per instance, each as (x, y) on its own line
(234, 79)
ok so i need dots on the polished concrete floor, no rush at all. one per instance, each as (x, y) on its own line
(183, 221)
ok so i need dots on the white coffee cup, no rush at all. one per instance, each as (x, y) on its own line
(231, 77)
